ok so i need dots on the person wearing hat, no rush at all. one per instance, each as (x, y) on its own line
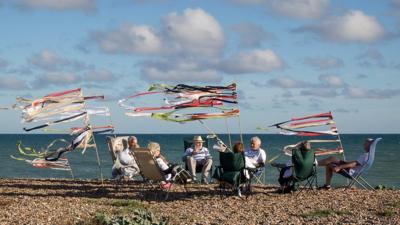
(334, 164)
(197, 155)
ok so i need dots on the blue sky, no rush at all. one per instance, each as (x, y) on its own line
(289, 58)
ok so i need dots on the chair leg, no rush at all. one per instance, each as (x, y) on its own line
(361, 178)
(355, 180)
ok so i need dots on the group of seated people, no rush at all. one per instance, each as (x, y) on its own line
(195, 156)
(199, 156)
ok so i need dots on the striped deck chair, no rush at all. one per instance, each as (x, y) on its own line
(355, 175)
(153, 175)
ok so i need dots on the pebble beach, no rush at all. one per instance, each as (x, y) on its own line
(66, 201)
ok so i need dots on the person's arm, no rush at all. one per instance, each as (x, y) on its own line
(262, 159)
(347, 165)
(189, 152)
(207, 153)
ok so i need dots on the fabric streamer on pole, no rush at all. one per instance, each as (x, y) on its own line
(217, 100)
(56, 108)
(303, 126)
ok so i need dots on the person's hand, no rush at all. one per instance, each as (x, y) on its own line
(337, 169)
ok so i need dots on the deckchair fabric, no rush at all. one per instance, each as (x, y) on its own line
(116, 144)
(302, 168)
(303, 164)
(355, 176)
(151, 172)
(147, 165)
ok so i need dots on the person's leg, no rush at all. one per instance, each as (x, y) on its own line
(328, 161)
(191, 163)
(328, 175)
(207, 163)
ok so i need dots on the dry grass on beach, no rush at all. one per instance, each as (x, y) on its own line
(51, 201)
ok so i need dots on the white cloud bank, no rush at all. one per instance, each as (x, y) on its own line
(189, 46)
(324, 63)
(12, 83)
(195, 31)
(129, 38)
(255, 61)
(354, 26)
(85, 5)
(302, 9)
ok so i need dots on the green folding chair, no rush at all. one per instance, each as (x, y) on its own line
(231, 173)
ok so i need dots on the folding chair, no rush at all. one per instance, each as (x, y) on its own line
(302, 168)
(152, 174)
(258, 175)
(231, 173)
(355, 175)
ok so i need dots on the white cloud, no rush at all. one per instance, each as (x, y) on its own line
(251, 35)
(86, 5)
(303, 9)
(371, 57)
(129, 38)
(3, 63)
(324, 63)
(182, 70)
(320, 92)
(287, 82)
(331, 81)
(47, 60)
(100, 76)
(307, 9)
(155, 74)
(12, 83)
(353, 26)
(355, 92)
(195, 31)
(255, 61)
(56, 79)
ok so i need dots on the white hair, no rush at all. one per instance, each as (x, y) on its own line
(255, 139)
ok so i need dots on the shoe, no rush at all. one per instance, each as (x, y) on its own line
(325, 187)
(204, 181)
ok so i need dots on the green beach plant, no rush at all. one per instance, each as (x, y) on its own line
(386, 213)
(139, 216)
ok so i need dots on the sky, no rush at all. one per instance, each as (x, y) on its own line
(289, 58)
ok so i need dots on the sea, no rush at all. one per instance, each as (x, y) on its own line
(385, 170)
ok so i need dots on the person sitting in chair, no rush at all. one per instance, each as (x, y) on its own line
(285, 169)
(255, 156)
(345, 168)
(169, 170)
(125, 165)
(197, 155)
